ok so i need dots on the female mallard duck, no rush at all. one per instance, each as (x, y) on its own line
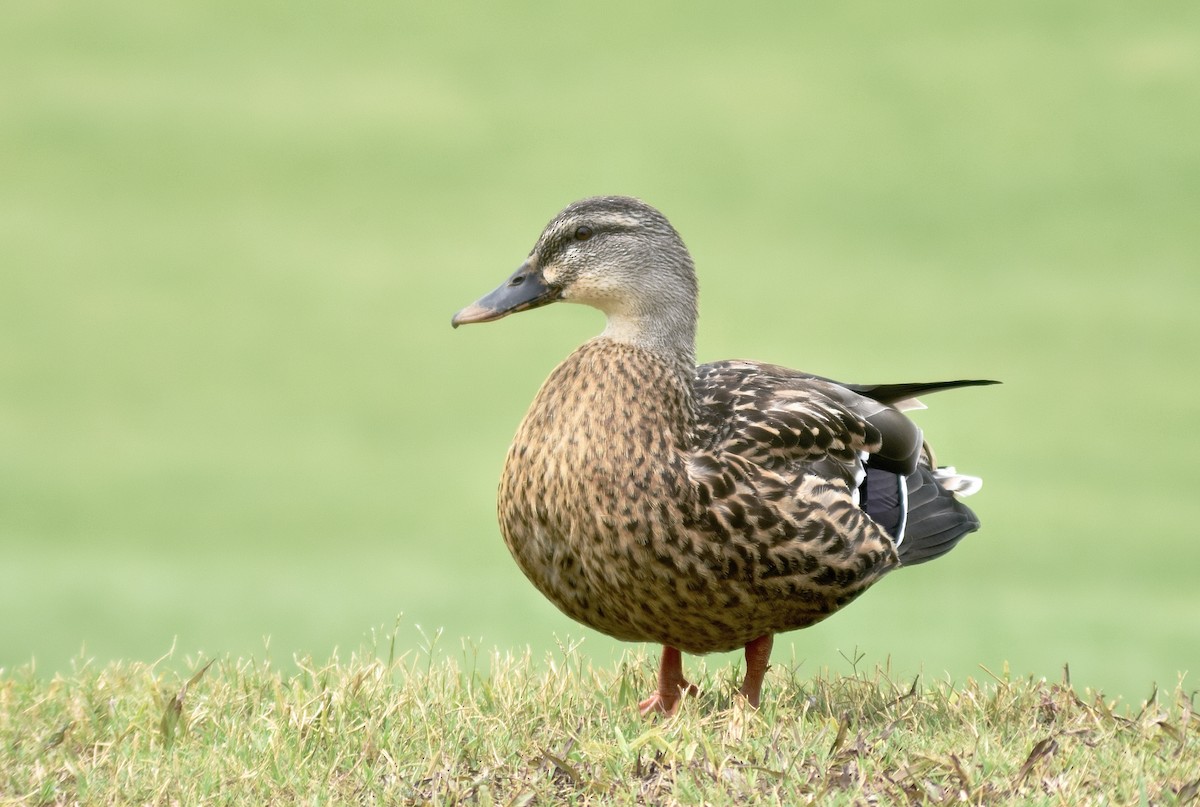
(703, 508)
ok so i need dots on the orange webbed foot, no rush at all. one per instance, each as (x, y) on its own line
(667, 702)
(672, 686)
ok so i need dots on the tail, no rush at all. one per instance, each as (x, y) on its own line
(920, 511)
(904, 396)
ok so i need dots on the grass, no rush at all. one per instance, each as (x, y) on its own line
(430, 728)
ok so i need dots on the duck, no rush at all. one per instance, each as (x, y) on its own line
(704, 508)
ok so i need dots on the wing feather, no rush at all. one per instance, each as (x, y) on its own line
(783, 421)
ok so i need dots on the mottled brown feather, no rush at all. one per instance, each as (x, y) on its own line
(720, 513)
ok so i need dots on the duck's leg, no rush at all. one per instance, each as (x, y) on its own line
(671, 685)
(758, 656)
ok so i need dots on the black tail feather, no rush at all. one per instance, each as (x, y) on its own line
(937, 520)
(929, 519)
(891, 393)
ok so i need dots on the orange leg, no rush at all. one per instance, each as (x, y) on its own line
(671, 685)
(758, 656)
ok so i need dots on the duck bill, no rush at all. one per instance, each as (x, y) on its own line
(524, 289)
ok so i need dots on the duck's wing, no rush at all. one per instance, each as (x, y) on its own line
(803, 426)
(777, 464)
(761, 404)
(786, 421)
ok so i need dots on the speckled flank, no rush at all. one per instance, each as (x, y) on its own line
(614, 515)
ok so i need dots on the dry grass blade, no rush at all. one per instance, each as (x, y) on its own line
(1041, 750)
(1185, 720)
(961, 772)
(559, 761)
(56, 739)
(173, 711)
(563, 767)
(843, 730)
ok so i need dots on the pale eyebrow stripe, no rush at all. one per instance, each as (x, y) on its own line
(603, 221)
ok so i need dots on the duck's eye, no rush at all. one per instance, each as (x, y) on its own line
(583, 233)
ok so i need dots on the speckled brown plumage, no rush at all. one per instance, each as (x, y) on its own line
(703, 508)
(613, 513)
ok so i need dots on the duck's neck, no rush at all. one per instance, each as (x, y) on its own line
(670, 336)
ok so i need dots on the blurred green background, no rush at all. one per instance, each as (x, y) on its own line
(232, 236)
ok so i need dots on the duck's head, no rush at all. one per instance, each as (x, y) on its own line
(614, 253)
